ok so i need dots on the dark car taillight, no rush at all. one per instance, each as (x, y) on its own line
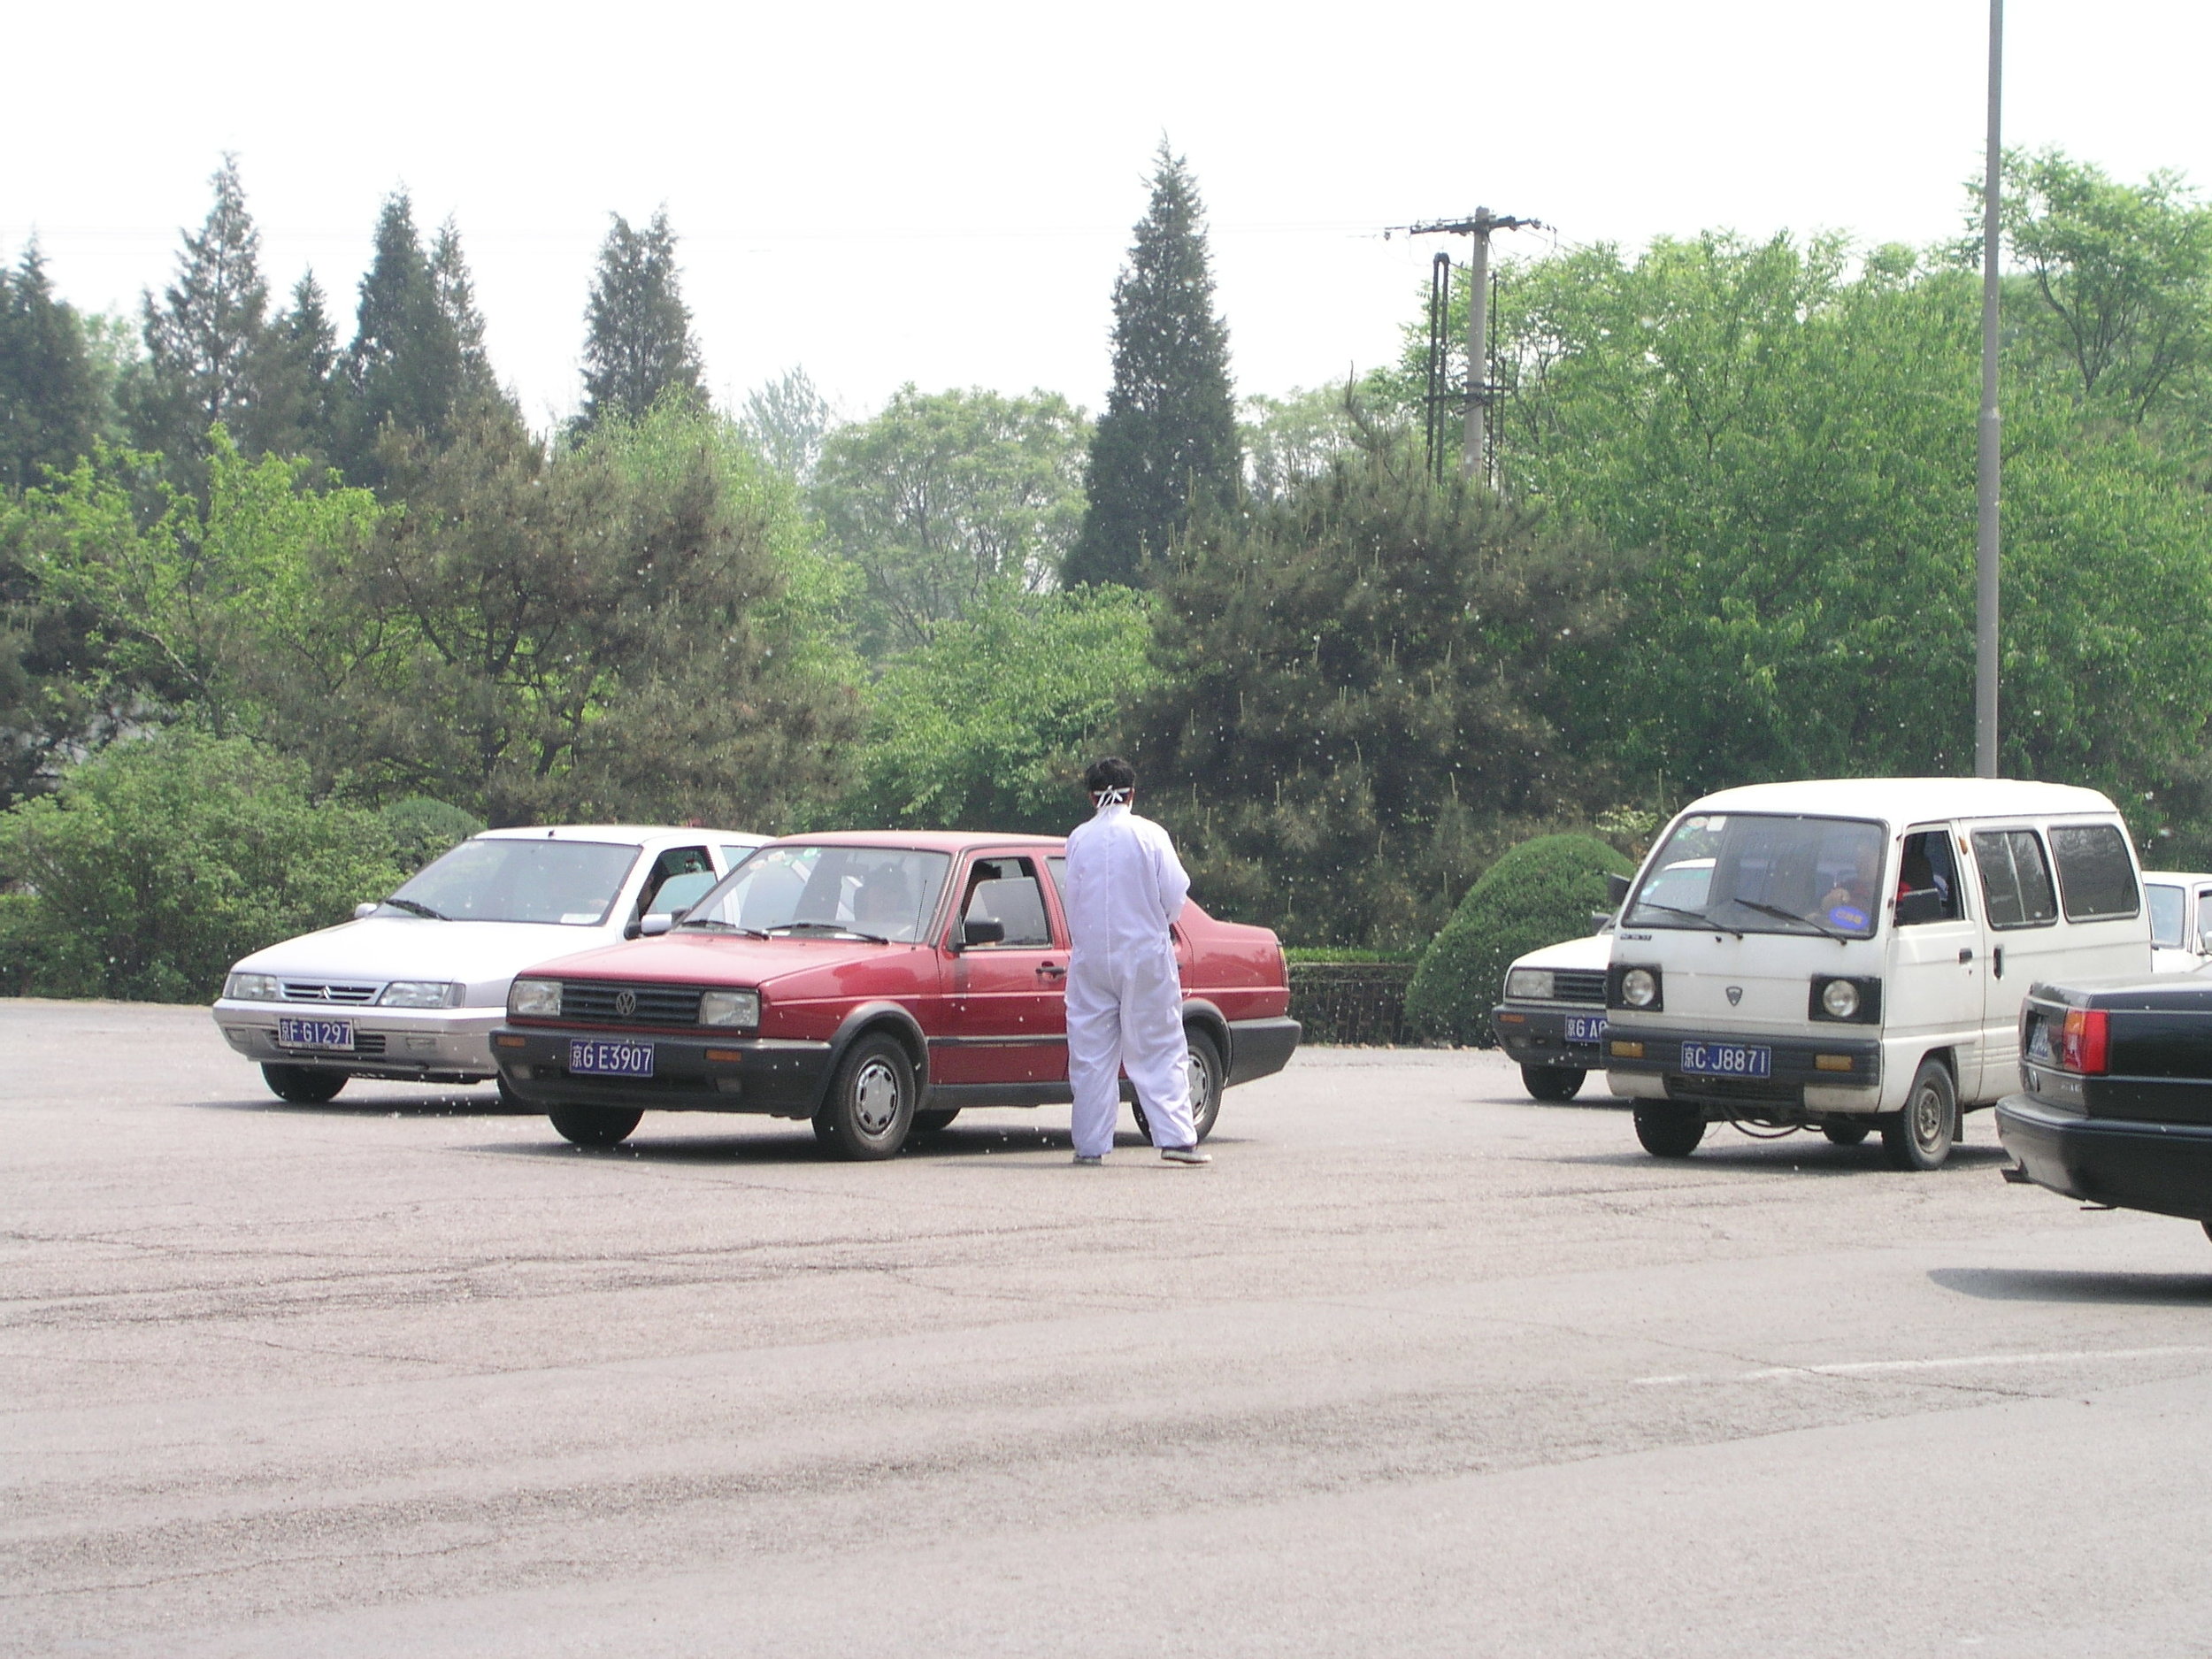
(2084, 1041)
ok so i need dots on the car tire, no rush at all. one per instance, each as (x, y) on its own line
(303, 1085)
(594, 1126)
(871, 1105)
(1668, 1129)
(1204, 1057)
(1846, 1135)
(1920, 1137)
(928, 1123)
(1555, 1084)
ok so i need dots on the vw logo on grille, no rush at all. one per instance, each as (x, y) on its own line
(1735, 994)
(626, 1003)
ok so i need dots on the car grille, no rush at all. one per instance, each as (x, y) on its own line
(648, 1004)
(321, 991)
(368, 1043)
(1578, 985)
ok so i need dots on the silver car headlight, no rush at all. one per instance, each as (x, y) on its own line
(730, 1008)
(1531, 984)
(538, 999)
(421, 994)
(252, 988)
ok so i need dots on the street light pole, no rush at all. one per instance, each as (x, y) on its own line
(1985, 540)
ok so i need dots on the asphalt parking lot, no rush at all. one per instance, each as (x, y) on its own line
(1415, 1367)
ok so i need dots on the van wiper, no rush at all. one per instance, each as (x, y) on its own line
(1695, 916)
(413, 909)
(1791, 915)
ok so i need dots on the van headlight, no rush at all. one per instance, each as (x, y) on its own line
(1639, 987)
(535, 999)
(730, 1008)
(1840, 998)
(1855, 1002)
(1531, 984)
(420, 994)
(252, 988)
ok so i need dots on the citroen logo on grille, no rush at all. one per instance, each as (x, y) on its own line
(626, 1003)
(1735, 994)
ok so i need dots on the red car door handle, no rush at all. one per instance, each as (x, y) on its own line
(1051, 971)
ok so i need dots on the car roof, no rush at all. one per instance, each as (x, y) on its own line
(927, 840)
(621, 834)
(1902, 801)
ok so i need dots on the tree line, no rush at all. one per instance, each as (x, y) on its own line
(1731, 538)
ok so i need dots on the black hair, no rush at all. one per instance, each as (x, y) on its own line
(1111, 773)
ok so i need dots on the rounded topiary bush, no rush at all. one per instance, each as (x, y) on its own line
(423, 829)
(1537, 894)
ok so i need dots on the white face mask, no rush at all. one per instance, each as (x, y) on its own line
(1112, 797)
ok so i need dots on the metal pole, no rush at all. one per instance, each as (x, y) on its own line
(1476, 461)
(1986, 542)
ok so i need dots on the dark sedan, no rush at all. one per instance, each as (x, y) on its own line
(2117, 1101)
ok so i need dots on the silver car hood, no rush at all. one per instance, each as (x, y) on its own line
(379, 949)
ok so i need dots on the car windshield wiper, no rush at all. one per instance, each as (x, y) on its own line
(837, 928)
(727, 927)
(413, 909)
(1791, 915)
(1696, 916)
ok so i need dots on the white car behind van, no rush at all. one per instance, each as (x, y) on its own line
(1855, 954)
(412, 988)
(2180, 904)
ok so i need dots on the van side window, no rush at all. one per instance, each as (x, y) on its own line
(2094, 871)
(2016, 880)
(1928, 880)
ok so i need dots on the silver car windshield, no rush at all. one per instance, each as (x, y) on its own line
(1757, 873)
(884, 892)
(569, 884)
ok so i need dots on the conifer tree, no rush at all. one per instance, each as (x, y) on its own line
(208, 341)
(1169, 436)
(639, 347)
(312, 374)
(49, 400)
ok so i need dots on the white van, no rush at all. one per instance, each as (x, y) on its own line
(1852, 955)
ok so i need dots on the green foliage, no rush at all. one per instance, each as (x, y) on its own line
(945, 496)
(1541, 893)
(423, 829)
(786, 421)
(639, 348)
(158, 864)
(50, 402)
(1358, 695)
(632, 627)
(1291, 440)
(1168, 439)
(989, 726)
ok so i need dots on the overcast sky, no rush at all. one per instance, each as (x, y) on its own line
(943, 193)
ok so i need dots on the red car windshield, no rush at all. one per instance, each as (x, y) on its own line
(887, 893)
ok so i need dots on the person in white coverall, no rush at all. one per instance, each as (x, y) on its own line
(1125, 888)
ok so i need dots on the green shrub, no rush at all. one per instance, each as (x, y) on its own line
(158, 862)
(1539, 894)
(423, 829)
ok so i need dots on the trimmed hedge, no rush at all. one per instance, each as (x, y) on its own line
(1539, 894)
(1337, 1001)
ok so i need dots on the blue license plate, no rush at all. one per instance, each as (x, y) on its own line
(1585, 1028)
(1727, 1059)
(589, 1058)
(294, 1033)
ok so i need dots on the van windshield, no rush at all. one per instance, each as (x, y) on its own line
(1758, 874)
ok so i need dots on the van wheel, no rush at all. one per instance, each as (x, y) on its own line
(1844, 1135)
(594, 1126)
(1554, 1083)
(1919, 1137)
(1668, 1129)
(303, 1085)
(871, 1103)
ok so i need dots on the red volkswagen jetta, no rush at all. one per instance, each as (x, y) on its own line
(874, 984)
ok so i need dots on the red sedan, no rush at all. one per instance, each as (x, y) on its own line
(874, 984)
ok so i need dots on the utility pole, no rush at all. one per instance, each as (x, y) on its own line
(1989, 459)
(1475, 453)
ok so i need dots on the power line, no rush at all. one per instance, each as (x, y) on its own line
(1481, 391)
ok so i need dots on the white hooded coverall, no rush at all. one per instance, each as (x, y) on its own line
(1126, 887)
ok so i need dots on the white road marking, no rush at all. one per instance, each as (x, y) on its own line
(1868, 1367)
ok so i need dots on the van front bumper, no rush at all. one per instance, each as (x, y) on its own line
(432, 1045)
(1812, 1075)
